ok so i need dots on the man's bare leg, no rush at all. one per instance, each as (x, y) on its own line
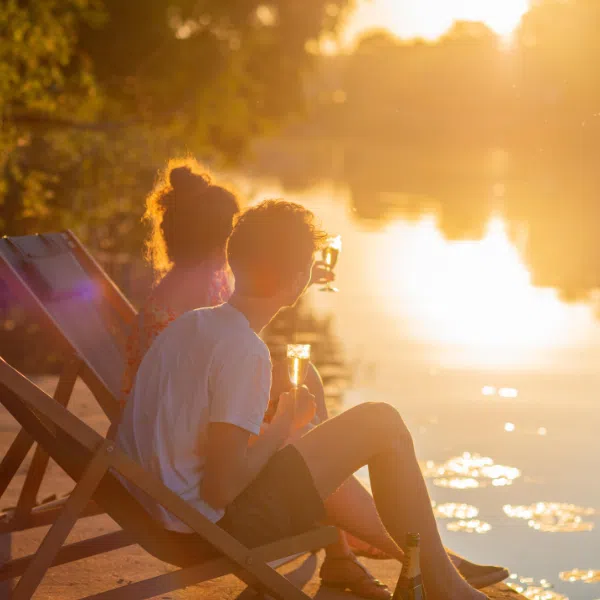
(340, 562)
(374, 434)
(351, 507)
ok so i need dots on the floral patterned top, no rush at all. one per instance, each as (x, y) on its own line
(152, 319)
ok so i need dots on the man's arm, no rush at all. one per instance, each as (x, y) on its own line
(231, 464)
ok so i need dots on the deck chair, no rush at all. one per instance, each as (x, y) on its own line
(67, 292)
(92, 462)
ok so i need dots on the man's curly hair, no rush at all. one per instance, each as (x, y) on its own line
(271, 243)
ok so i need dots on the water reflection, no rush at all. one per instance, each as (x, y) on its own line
(474, 295)
(472, 301)
(469, 471)
(529, 588)
(553, 517)
(465, 517)
(423, 310)
(469, 526)
(588, 576)
(452, 510)
(490, 390)
(546, 188)
(457, 483)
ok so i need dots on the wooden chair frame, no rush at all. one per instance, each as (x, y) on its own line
(250, 565)
(26, 514)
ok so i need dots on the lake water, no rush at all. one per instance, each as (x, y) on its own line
(478, 361)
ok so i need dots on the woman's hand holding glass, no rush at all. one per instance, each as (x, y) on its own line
(331, 251)
(321, 273)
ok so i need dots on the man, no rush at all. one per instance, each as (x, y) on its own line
(199, 400)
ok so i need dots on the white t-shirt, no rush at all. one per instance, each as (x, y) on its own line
(208, 366)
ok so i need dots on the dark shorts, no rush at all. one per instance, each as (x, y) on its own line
(281, 502)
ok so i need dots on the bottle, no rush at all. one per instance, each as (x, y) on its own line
(410, 586)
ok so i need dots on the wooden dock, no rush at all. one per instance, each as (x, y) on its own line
(121, 567)
(94, 575)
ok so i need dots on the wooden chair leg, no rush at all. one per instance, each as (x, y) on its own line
(39, 464)
(14, 458)
(58, 533)
(42, 515)
(72, 552)
(218, 567)
(278, 586)
(31, 487)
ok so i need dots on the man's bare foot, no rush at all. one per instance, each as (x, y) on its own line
(464, 591)
(458, 589)
(479, 576)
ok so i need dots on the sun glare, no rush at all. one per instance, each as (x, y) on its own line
(475, 297)
(503, 16)
(430, 19)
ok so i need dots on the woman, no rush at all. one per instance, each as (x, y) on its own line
(190, 221)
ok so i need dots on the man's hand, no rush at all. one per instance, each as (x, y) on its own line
(321, 273)
(296, 408)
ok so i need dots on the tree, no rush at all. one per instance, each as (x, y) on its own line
(40, 74)
(558, 42)
(97, 93)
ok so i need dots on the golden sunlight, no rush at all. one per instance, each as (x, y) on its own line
(430, 19)
(474, 296)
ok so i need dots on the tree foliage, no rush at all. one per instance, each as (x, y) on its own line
(95, 94)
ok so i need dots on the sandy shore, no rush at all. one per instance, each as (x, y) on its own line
(117, 568)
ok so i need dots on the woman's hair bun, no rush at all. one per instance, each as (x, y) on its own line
(190, 216)
(183, 179)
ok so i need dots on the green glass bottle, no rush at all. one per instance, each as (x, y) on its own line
(410, 585)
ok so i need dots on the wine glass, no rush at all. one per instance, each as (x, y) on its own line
(298, 358)
(331, 251)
